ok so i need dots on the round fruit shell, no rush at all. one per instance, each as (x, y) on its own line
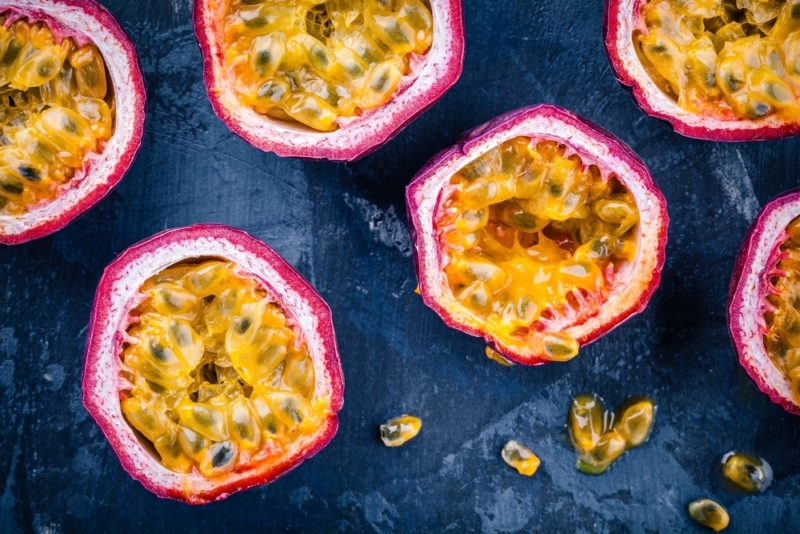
(431, 76)
(622, 18)
(85, 21)
(751, 283)
(634, 284)
(118, 294)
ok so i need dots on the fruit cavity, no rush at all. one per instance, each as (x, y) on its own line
(782, 316)
(312, 62)
(215, 376)
(532, 234)
(728, 59)
(56, 107)
(600, 436)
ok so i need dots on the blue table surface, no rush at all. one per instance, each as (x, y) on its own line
(344, 227)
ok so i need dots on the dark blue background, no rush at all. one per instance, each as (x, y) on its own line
(343, 227)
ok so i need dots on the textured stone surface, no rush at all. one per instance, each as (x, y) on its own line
(343, 226)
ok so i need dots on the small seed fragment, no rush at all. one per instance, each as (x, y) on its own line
(560, 346)
(399, 430)
(520, 458)
(709, 514)
(586, 421)
(497, 357)
(748, 473)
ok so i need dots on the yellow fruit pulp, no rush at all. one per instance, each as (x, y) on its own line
(725, 58)
(56, 105)
(600, 436)
(527, 230)
(782, 338)
(216, 376)
(313, 61)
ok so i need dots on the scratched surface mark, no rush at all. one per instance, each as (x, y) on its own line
(343, 227)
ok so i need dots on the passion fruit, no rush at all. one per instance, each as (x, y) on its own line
(763, 305)
(723, 70)
(538, 232)
(211, 365)
(327, 79)
(72, 106)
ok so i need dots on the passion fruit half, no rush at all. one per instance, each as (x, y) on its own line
(72, 107)
(722, 70)
(327, 79)
(763, 312)
(538, 232)
(211, 365)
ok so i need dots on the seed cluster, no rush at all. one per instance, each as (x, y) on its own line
(782, 317)
(55, 106)
(215, 375)
(313, 61)
(601, 436)
(725, 58)
(529, 232)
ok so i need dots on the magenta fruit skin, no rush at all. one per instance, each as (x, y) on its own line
(85, 21)
(117, 295)
(428, 184)
(750, 285)
(433, 75)
(621, 17)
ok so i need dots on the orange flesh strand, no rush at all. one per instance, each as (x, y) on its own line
(525, 229)
(313, 61)
(215, 376)
(56, 106)
(725, 58)
(782, 338)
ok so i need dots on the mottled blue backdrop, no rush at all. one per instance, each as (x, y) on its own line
(343, 227)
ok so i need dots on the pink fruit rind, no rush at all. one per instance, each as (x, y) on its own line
(634, 285)
(118, 293)
(87, 21)
(431, 76)
(750, 285)
(622, 17)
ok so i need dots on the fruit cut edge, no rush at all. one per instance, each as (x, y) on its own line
(117, 295)
(593, 145)
(431, 76)
(87, 21)
(749, 284)
(621, 18)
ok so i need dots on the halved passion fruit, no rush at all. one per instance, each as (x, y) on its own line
(328, 79)
(725, 70)
(764, 306)
(211, 365)
(71, 112)
(538, 232)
